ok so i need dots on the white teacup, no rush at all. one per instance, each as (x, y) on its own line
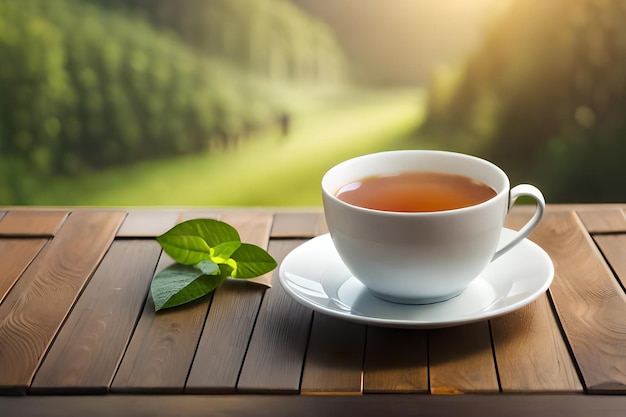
(421, 257)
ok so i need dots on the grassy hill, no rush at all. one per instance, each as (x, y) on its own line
(267, 169)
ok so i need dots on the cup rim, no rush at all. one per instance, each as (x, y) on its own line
(330, 194)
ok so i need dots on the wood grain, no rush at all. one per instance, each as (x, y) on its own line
(233, 312)
(306, 406)
(613, 248)
(273, 363)
(148, 223)
(284, 349)
(589, 301)
(89, 347)
(225, 338)
(32, 223)
(15, 256)
(162, 346)
(603, 220)
(35, 308)
(461, 360)
(299, 225)
(253, 227)
(531, 354)
(334, 358)
(395, 361)
(189, 214)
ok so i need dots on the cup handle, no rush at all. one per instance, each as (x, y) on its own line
(516, 192)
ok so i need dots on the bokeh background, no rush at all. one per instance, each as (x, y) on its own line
(249, 102)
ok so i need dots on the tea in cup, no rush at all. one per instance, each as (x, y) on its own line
(418, 226)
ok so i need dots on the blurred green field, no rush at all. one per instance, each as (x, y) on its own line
(265, 170)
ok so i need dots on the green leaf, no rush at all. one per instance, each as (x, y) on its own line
(179, 284)
(252, 261)
(187, 250)
(212, 231)
(215, 250)
(208, 267)
(190, 242)
(224, 251)
(226, 269)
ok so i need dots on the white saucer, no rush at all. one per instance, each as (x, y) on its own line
(314, 275)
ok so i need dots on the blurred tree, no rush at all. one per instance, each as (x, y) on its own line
(272, 38)
(545, 96)
(84, 88)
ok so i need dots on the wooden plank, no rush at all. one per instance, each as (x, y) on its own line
(334, 357)
(163, 345)
(461, 360)
(396, 360)
(225, 338)
(299, 225)
(35, 308)
(254, 227)
(189, 214)
(278, 344)
(32, 223)
(589, 301)
(229, 325)
(15, 256)
(89, 347)
(148, 223)
(530, 351)
(603, 220)
(306, 406)
(531, 354)
(614, 249)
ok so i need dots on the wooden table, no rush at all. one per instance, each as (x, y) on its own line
(79, 335)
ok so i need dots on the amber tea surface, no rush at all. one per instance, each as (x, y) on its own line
(416, 191)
